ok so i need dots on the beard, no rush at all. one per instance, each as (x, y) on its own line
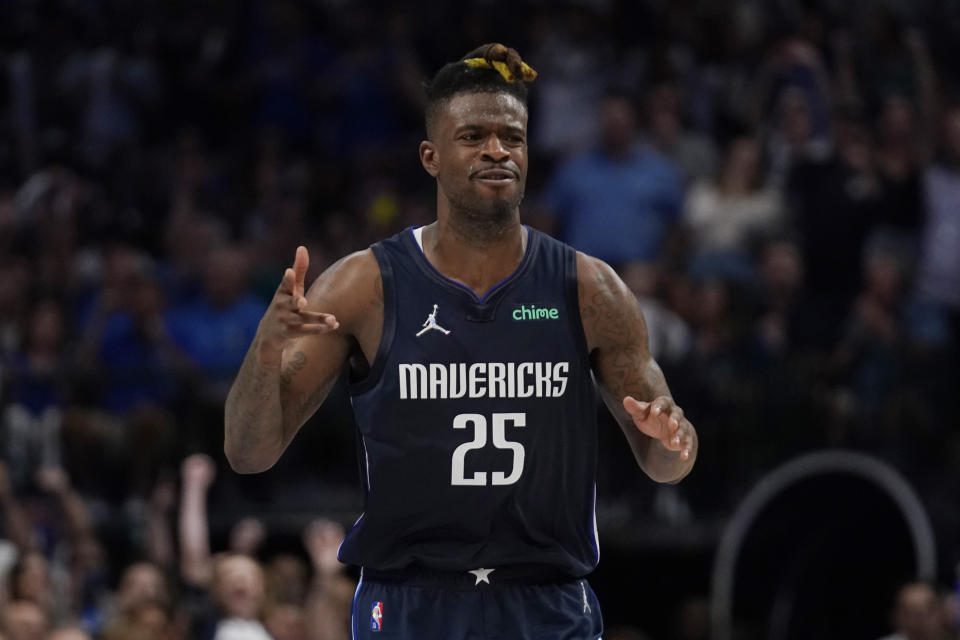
(483, 220)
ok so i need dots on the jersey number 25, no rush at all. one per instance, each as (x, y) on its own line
(499, 438)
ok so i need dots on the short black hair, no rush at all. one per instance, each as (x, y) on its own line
(457, 77)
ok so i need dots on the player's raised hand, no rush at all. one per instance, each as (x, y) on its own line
(301, 262)
(288, 316)
(662, 420)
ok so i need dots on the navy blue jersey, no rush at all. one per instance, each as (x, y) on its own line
(477, 420)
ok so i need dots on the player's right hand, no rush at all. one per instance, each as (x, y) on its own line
(288, 317)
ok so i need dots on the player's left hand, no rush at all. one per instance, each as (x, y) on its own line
(662, 420)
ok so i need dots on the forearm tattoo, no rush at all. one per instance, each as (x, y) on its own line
(624, 364)
(297, 408)
(253, 396)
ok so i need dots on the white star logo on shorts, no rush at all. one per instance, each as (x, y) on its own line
(483, 575)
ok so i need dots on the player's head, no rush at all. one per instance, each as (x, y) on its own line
(490, 68)
(476, 120)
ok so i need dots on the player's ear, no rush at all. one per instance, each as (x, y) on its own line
(429, 158)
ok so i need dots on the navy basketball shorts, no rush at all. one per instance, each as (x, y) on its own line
(475, 605)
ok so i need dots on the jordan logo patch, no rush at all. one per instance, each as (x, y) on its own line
(431, 323)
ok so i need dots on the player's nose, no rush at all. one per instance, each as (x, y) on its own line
(495, 150)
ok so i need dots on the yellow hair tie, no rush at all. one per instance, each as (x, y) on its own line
(501, 67)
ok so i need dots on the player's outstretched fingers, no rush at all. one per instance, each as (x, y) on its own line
(318, 323)
(287, 282)
(639, 411)
(292, 282)
(318, 317)
(660, 408)
(313, 328)
(685, 437)
(301, 262)
(674, 421)
(315, 316)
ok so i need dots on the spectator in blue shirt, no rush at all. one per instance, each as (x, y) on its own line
(215, 331)
(126, 344)
(618, 201)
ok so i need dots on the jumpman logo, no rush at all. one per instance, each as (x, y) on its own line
(431, 323)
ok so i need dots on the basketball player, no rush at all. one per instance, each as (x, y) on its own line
(473, 345)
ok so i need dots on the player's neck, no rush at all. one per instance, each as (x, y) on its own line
(476, 263)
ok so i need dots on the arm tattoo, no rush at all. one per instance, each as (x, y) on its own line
(305, 405)
(253, 399)
(621, 359)
(296, 408)
(626, 368)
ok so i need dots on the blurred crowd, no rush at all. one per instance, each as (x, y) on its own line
(64, 580)
(778, 183)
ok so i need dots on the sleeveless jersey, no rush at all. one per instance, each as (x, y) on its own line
(477, 420)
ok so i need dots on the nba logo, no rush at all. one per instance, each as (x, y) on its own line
(376, 616)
